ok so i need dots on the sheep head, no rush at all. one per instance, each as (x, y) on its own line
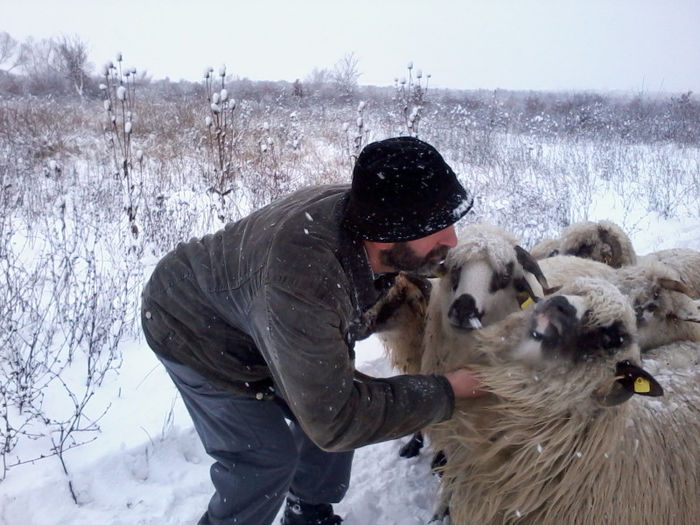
(659, 300)
(486, 277)
(601, 241)
(585, 334)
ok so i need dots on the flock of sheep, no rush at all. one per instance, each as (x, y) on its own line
(589, 354)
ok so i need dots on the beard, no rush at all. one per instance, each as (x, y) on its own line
(402, 258)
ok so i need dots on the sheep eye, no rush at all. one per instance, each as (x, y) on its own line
(499, 280)
(608, 338)
(610, 341)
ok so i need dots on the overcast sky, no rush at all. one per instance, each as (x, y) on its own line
(633, 45)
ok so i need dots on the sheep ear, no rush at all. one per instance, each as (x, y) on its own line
(553, 289)
(629, 380)
(529, 264)
(675, 286)
(636, 380)
(615, 246)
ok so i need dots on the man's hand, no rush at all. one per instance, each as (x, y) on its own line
(465, 383)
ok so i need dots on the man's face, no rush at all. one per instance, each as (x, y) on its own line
(420, 255)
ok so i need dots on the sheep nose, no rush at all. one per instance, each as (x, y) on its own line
(554, 318)
(464, 313)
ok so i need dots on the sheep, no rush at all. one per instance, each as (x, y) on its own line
(663, 304)
(684, 261)
(545, 248)
(398, 320)
(560, 437)
(485, 277)
(560, 269)
(602, 241)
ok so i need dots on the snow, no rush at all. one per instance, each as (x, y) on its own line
(147, 466)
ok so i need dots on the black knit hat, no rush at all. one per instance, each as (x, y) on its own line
(402, 189)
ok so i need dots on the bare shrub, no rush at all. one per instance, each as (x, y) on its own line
(68, 301)
(119, 90)
(411, 97)
(356, 136)
(222, 138)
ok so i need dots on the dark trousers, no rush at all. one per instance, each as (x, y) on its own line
(259, 455)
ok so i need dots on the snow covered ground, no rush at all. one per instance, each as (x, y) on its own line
(147, 466)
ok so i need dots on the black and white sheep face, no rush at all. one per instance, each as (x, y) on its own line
(479, 291)
(560, 329)
(588, 328)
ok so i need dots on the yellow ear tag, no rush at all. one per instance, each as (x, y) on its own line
(527, 303)
(642, 385)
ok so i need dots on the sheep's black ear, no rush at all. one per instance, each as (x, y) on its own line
(636, 380)
(604, 234)
(529, 264)
(629, 380)
(553, 289)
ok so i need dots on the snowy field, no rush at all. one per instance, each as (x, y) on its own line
(147, 466)
(75, 373)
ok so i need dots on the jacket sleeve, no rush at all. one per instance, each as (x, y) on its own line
(301, 338)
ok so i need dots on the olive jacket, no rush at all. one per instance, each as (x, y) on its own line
(272, 305)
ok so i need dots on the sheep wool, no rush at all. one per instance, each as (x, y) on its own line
(602, 241)
(684, 261)
(542, 448)
(658, 292)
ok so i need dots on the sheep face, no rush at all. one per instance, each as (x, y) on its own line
(587, 329)
(480, 287)
(659, 301)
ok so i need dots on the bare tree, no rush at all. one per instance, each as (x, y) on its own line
(9, 51)
(318, 77)
(345, 74)
(39, 63)
(72, 57)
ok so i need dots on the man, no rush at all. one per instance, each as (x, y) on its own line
(256, 325)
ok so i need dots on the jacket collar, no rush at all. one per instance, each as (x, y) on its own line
(353, 259)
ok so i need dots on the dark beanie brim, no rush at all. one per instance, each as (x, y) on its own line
(402, 189)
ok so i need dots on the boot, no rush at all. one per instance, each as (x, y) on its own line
(297, 512)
